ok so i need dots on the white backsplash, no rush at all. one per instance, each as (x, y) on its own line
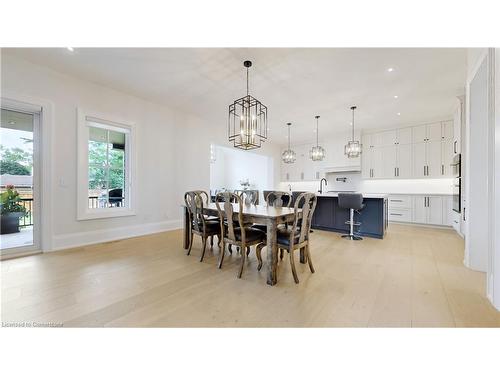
(355, 182)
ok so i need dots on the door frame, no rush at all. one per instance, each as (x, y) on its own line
(43, 168)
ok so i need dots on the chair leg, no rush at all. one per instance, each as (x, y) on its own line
(211, 242)
(229, 247)
(204, 247)
(308, 257)
(282, 252)
(219, 240)
(243, 256)
(258, 250)
(292, 264)
(221, 253)
(248, 250)
(190, 243)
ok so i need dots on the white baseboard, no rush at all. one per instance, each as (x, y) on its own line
(66, 241)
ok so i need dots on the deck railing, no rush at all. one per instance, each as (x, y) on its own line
(28, 219)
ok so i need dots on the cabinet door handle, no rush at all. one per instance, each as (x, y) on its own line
(424, 171)
(395, 173)
(455, 147)
(396, 214)
(398, 171)
(442, 169)
(396, 200)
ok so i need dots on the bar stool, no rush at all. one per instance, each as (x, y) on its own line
(352, 202)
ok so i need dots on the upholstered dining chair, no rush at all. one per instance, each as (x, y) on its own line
(297, 237)
(241, 236)
(199, 222)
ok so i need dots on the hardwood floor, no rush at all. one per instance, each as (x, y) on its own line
(413, 278)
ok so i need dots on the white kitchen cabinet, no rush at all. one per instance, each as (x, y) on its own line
(419, 160)
(428, 209)
(447, 131)
(404, 164)
(433, 159)
(428, 132)
(420, 209)
(449, 216)
(447, 153)
(457, 128)
(435, 210)
(389, 163)
(376, 162)
(404, 136)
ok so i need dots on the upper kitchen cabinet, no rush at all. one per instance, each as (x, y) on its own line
(457, 126)
(426, 133)
(423, 151)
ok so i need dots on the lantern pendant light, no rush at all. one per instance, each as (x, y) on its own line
(247, 125)
(317, 153)
(353, 148)
(288, 155)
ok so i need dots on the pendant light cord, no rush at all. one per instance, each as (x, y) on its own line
(353, 124)
(247, 82)
(317, 133)
(289, 136)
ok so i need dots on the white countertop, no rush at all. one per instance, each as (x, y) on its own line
(365, 195)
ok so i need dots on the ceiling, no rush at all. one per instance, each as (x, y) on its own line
(295, 83)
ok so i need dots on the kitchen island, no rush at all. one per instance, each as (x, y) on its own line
(373, 217)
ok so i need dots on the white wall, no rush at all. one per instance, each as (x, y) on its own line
(495, 277)
(233, 165)
(476, 179)
(173, 152)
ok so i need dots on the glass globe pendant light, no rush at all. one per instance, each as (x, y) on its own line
(317, 153)
(247, 125)
(288, 155)
(353, 148)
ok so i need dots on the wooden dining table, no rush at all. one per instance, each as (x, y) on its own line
(257, 214)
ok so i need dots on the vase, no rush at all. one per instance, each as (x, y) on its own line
(10, 222)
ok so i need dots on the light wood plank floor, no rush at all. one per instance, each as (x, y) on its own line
(413, 278)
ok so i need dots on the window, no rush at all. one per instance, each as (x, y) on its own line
(105, 168)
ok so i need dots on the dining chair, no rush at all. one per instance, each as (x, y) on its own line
(199, 222)
(241, 236)
(276, 199)
(297, 237)
(249, 197)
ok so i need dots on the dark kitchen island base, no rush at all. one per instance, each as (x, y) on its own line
(373, 217)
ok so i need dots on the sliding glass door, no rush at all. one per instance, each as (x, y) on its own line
(19, 170)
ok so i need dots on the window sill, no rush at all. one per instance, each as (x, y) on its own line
(105, 213)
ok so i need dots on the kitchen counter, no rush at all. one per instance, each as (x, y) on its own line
(373, 217)
(365, 195)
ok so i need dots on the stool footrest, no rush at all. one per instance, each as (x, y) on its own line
(355, 223)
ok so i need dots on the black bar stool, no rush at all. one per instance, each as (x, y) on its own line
(352, 202)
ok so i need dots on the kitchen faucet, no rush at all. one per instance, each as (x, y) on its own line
(321, 185)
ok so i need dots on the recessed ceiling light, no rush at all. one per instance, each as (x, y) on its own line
(395, 96)
(399, 113)
(70, 49)
(390, 70)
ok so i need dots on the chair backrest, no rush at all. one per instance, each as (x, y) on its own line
(194, 204)
(351, 200)
(249, 196)
(279, 199)
(306, 201)
(204, 195)
(226, 211)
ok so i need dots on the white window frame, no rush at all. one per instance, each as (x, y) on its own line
(109, 123)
